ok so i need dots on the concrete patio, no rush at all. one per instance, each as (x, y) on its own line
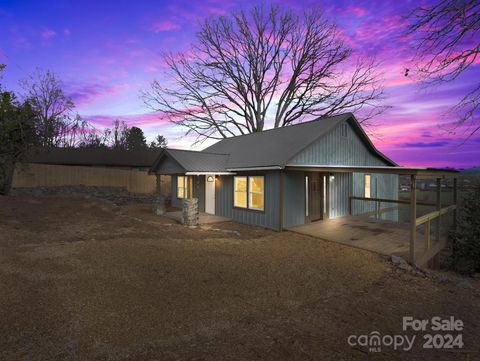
(380, 236)
(203, 218)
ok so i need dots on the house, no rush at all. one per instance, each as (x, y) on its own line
(284, 177)
(91, 167)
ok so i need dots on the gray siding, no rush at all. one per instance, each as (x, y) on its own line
(224, 196)
(382, 186)
(199, 191)
(341, 187)
(340, 190)
(335, 149)
(169, 166)
(294, 209)
(269, 218)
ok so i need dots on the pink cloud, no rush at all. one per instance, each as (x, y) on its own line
(138, 120)
(48, 34)
(357, 11)
(164, 26)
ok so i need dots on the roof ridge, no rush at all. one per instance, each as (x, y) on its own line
(285, 127)
(197, 151)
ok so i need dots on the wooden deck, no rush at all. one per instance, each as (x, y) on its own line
(383, 237)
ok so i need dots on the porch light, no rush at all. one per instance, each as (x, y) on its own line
(210, 179)
(332, 178)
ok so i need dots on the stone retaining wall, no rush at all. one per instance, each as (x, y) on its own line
(118, 195)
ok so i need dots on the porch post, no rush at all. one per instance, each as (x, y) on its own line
(159, 184)
(439, 206)
(413, 217)
(455, 203)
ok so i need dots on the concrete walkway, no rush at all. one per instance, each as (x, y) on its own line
(203, 218)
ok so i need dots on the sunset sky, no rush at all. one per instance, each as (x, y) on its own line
(106, 52)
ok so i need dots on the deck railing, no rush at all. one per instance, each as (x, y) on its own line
(430, 250)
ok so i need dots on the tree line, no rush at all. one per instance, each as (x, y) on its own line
(43, 116)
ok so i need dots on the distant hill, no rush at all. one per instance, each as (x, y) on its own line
(470, 171)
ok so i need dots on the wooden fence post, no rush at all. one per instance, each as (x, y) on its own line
(455, 203)
(413, 217)
(439, 206)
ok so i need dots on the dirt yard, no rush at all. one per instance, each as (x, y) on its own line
(83, 279)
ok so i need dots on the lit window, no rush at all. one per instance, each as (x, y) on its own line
(249, 192)
(367, 185)
(255, 192)
(240, 192)
(182, 187)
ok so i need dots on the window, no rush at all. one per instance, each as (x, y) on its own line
(240, 192)
(182, 187)
(368, 183)
(344, 130)
(249, 192)
(255, 193)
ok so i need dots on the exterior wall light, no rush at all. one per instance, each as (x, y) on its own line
(210, 179)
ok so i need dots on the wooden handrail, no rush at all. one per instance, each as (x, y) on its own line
(432, 215)
(400, 201)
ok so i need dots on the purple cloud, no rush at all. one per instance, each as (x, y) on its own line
(164, 26)
(427, 145)
(48, 34)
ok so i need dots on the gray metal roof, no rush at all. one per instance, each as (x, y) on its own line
(194, 161)
(273, 147)
(142, 158)
(270, 148)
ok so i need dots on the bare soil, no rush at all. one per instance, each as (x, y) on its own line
(83, 279)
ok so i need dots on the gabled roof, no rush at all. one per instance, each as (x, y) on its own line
(275, 147)
(194, 161)
(142, 158)
(268, 149)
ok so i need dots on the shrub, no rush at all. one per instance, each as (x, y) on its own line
(466, 238)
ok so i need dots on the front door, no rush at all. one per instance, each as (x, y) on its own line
(210, 194)
(315, 186)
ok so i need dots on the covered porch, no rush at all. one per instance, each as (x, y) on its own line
(376, 235)
(406, 226)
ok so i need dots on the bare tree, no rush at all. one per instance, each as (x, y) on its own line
(44, 92)
(447, 38)
(159, 142)
(116, 137)
(265, 63)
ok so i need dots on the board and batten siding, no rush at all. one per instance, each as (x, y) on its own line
(269, 218)
(335, 149)
(382, 186)
(170, 166)
(338, 149)
(340, 189)
(294, 201)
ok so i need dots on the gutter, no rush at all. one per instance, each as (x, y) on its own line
(209, 173)
(276, 167)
